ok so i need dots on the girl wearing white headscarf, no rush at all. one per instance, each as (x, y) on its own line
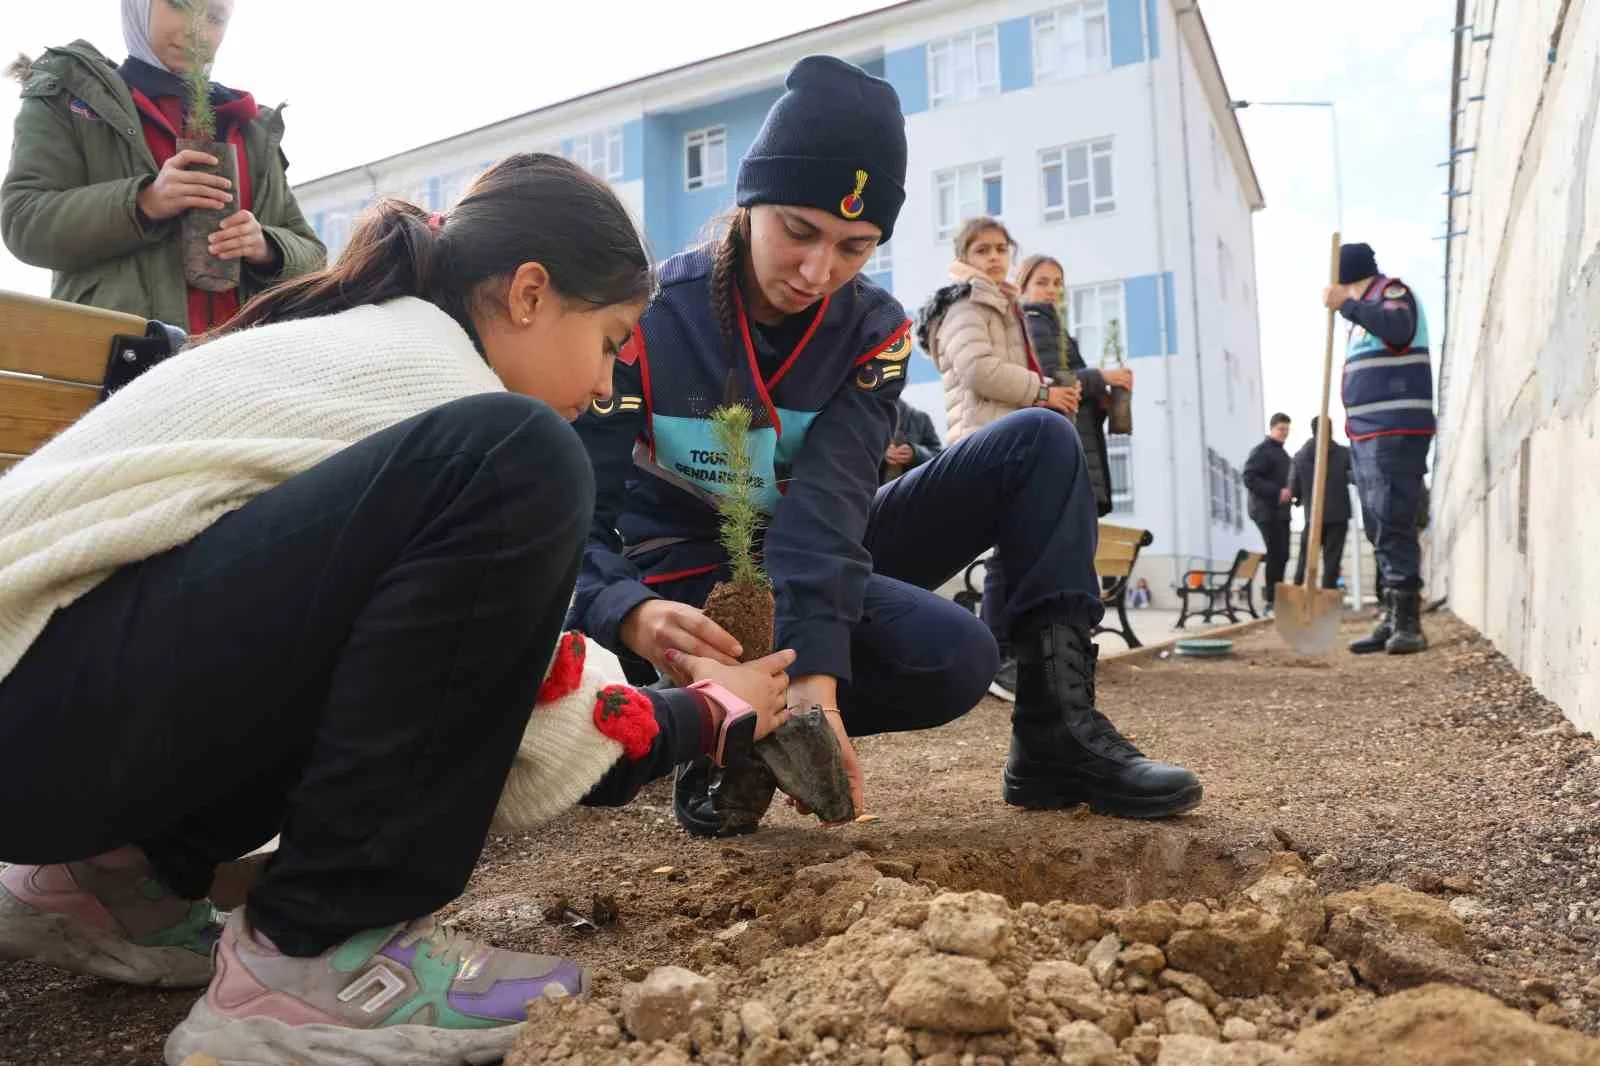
(91, 200)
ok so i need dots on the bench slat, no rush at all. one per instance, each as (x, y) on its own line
(59, 340)
(31, 412)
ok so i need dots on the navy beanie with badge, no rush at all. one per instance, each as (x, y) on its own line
(1356, 263)
(836, 141)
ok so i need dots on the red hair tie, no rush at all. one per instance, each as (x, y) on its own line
(436, 222)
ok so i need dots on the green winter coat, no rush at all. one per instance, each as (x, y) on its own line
(68, 200)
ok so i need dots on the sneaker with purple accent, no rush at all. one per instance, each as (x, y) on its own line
(413, 993)
(108, 917)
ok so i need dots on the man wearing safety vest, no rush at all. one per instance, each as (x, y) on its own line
(1388, 403)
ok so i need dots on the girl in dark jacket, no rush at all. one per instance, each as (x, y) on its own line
(1042, 283)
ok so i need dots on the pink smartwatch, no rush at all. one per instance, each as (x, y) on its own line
(738, 717)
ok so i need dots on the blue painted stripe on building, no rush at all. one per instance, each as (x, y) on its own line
(567, 145)
(921, 370)
(1016, 54)
(1127, 39)
(632, 150)
(873, 66)
(1170, 301)
(1141, 303)
(433, 194)
(1150, 11)
(907, 70)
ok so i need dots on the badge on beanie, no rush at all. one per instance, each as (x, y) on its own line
(853, 205)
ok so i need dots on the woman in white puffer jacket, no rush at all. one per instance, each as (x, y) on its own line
(973, 329)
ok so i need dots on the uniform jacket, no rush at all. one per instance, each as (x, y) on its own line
(1388, 373)
(822, 415)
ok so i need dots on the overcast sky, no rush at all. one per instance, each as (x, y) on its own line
(403, 81)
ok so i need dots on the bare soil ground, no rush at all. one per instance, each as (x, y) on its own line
(1444, 773)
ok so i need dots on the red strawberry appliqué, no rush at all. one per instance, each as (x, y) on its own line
(626, 715)
(566, 672)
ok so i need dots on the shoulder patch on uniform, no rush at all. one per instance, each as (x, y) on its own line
(617, 405)
(82, 110)
(899, 350)
(1395, 291)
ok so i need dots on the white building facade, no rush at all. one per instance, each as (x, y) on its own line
(1099, 131)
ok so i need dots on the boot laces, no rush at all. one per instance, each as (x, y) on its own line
(1106, 737)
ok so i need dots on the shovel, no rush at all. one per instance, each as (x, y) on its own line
(1309, 617)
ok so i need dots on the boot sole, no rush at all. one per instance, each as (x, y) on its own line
(267, 1042)
(28, 934)
(1418, 649)
(1052, 797)
(1368, 651)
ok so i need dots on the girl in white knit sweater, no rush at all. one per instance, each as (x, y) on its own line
(307, 579)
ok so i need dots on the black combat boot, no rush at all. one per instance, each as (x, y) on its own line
(1378, 639)
(1408, 637)
(1065, 752)
(712, 801)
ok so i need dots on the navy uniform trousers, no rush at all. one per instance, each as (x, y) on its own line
(1389, 473)
(917, 659)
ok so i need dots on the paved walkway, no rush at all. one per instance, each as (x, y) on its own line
(1153, 625)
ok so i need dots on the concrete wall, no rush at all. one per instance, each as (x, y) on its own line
(1515, 509)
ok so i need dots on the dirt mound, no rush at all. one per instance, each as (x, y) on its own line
(1440, 1026)
(862, 962)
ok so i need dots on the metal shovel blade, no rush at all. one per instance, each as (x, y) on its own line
(1309, 619)
(804, 755)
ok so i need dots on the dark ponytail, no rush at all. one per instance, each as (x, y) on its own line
(526, 208)
(727, 271)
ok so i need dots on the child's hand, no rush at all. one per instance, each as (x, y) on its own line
(763, 684)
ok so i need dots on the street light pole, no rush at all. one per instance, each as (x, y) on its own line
(1338, 208)
(1338, 166)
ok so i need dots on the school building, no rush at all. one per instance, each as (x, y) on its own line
(1100, 131)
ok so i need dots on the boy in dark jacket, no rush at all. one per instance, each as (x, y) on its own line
(1266, 478)
(1335, 507)
(915, 442)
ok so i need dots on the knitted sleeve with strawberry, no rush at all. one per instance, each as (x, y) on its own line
(594, 740)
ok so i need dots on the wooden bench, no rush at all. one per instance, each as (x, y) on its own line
(1118, 549)
(1219, 587)
(57, 360)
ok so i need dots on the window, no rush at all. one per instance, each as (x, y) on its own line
(1217, 484)
(1119, 453)
(1094, 313)
(1224, 269)
(882, 262)
(1230, 369)
(963, 67)
(1070, 41)
(1077, 180)
(964, 192)
(705, 158)
(600, 153)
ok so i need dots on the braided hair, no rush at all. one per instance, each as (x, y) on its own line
(727, 263)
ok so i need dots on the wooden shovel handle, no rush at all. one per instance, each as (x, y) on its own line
(1324, 432)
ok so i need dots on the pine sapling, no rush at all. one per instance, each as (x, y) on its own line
(741, 517)
(200, 122)
(1120, 414)
(742, 606)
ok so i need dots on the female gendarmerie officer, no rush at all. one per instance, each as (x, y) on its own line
(775, 315)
